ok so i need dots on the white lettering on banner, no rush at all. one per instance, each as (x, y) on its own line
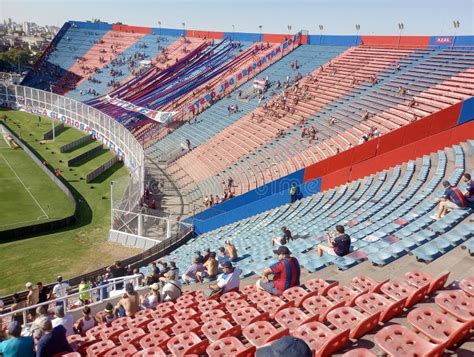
(160, 117)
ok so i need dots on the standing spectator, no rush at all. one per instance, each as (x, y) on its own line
(65, 320)
(153, 274)
(189, 275)
(152, 298)
(17, 345)
(469, 192)
(211, 265)
(117, 271)
(84, 286)
(222, 257)
(171, 290)
(340, 245)
(32, 297)
(283, 239)
(130, 301)
(86, 322)
(43, 292)
(229, 280)
(286, 273)
(451, 199)
(18, 304)
(53, 342)
(293, 193)
(231, 251)
(60, 290)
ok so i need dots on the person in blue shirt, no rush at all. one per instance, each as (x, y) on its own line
(17, 345)
(452, 199)
(340, 245)
(54, 341)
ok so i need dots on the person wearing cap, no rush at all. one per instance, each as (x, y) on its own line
(231, 250)
(130, 301)
(287, 346)
(60, 290)
(109, 314)
(286, 273)
(152, 298)
(86, 322)
(229, 280)
(451, 199)
(190, 275)
(54, 340)
(65, 320)
(32, 297)
(17, 345)
(171, 290)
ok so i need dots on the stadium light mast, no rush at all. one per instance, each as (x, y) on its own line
(159, 29)
(289, 30)
(111, 205)
(261, 35)
(321, 28)
(357, 26)
(184, 28)
(52, 120)
(456, 25)
(401, 26)
(233, 32)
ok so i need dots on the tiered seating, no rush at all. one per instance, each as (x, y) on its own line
(238, 323)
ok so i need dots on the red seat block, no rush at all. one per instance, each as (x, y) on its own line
(293, 317)
(249, 289)
(319, 285)
(365, 283)
(320, 306)
(95, 332)
(342, 293)
(349, 318)
(214, 314)
(467, 285)
(234, 305)
(112, 333)
(373, 303)
(231, 296)
(164, 310)
(229, 346)
(359, 352)
(398, 290)
(131, 336)
(258, 296)
(419, 279)
(273, 304)
(186, 314)
(297, 294)
(208, 305)
(187, 343)
(161, 323)
(99, 348)
(457, 303)
(220, 328)
(154, 339)
(262, 332)
(397, 340)
(321, 339)
(437, 326)
(151, 352)
(185, 326)
(140, 321)
(125, 350)
(248, 315)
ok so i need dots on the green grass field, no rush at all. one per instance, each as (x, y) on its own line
(79, 249)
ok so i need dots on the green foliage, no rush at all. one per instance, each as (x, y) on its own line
(10, 59)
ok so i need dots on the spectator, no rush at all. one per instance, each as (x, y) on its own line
(54, 341)
(152, 298)
(228, 281)
(109, 314)
(172, 288)
(284, 239)
(32, 297)
(36, 328)
(174, 268)
(189, 275)
(211, 265)
(293, 193)
(43, 292)
(199, 256)
(65, 320)
(469, 192)
(18, 304)
(153, 274)
(287, 346)
(84, 286)
(130, 301)
(17, 345)
(451, 199)
(117, 271)
(86, 322)
(231, 250)
(60, 290)
(207, 254)
(222, 257)
(339, 246)
(286, 273)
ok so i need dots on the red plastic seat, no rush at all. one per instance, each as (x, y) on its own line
(112, 333)
(187, 343)
(398, 290)
(121, 321)
(234, 305)
(229, 346)
(359, 352)
(208, 305)
(248, 315)
(185, 326)
(262, 332)
(99, 348)
(69, 354)
(419, 279)
(342, 293)
(397, 340)
(231, 296)
(321, 339)
(258, 296)
(184, 304)
(457, 303)
(220, 328)
(81, 343)
(125, 350)
(293, 317)
(248, 289)
(297, 294)
(131, 336)
(319, 285)
(214, 314)
(349, 318)
(320, 306)
(273, 304)
(186, 314)
(373, 303)
(162, 323)
(467, 285)
(95, 332)
(154, 339)
(141, 313)
(140, 321)
(365, 283)
(164, 310)
(151, 352)
(439, 327)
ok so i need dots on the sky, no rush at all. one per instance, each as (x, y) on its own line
(338, 17)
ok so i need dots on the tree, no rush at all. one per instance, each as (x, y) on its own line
(14, 58)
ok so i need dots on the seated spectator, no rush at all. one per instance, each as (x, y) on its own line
(469, 192)
(286, 273)
(207, 254)
(228, 281)
(174, 268)
(231, 250)
(211, 265)
(339, 245)
(283, 239)
(287, 346)
(130, 302)
(17, 345)
(153, 275)
(86, 322)
(171, 290)
(54, 341)
(151, 299)
(189, 275)
(61, 319)
(35, 329)
(451, 199)
(109, 314)
(222, 257)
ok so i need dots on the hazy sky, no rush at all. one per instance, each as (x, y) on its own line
(420, 17)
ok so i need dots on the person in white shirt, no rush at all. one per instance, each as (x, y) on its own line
(60, 290)
(152, 298)
(229, 280)
(172, 288)
(67, 321)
